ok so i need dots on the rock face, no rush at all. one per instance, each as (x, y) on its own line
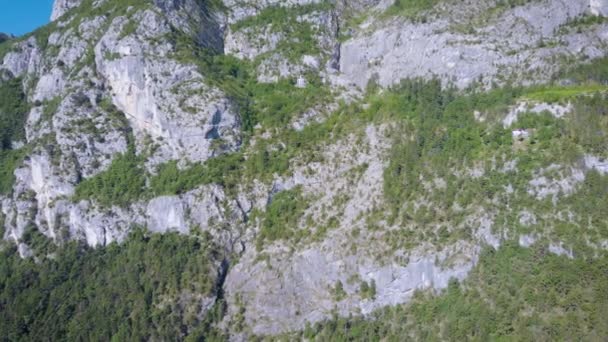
(100, 86)
(274, 291)
(60, 7)
(599, 7)
(101, 73)
(180, 110)
(439, 48)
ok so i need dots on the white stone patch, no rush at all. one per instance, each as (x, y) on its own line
(166, 214)
(557, 110)
(50, 85)
(527, 240)
(163, 98)
(560, 250)
(598, 164)
(564, 182)
(433, 49)
(527, 218)
(25, 59)
(599, 7)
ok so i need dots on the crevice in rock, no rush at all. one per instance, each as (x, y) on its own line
(213, 133)
(222, 273)
(335, 58)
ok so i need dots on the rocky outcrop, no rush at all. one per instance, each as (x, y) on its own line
(599, 7)
(60, 7)
(24, 59)
(286, 286)
(284, 294)
(512, 45)
(91, 74)
(181, 110)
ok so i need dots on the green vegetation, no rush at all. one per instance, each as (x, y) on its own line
(595, 72)
(13, 111)
(282, 216)
(436, 137)
(6, 46)
(553, 94)
(437, 134)
(121, 184)
(410, 8)
(140, 290)
(368, 290)
(223, 170)
(276, 104)
(582, 22)
(512, 294)
(273, 105)
(279, 17)
(88, 9)
(298, 35)
(9, 161)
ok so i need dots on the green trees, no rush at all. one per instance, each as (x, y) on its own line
(121, 184)
(282, 215)
(134, 291)
(13, 111)
(436, 130)
(223, 170)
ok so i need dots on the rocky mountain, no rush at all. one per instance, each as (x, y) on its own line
(306, 169)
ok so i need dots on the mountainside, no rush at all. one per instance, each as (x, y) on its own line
(306, 169)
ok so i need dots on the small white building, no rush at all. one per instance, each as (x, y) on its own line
(521, 134)
(301, 82)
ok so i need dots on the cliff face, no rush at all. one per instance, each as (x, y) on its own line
(200, 89)
(60, 7)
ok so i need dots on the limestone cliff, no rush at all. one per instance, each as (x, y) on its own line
(180, 85)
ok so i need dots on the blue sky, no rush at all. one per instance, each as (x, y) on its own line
(23, 16)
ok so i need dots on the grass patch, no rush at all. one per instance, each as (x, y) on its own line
(409, 8)
(553, 94)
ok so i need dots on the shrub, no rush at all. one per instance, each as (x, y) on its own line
(121, 184)
(13, 112)
(282, 215)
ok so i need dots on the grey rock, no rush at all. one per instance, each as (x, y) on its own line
(560, 250)
(599, 7)
(595, 163)
(25, 58)
(166, 214)
(401, 49)
(556, 110)
(60, 7)
(180, 110)
(283, 294)
(527, 240)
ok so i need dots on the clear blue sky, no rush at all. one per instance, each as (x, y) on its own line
(23, 16)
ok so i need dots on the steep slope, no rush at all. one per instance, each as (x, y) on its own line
(318, 159)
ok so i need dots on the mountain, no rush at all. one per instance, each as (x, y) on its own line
(306, 169)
